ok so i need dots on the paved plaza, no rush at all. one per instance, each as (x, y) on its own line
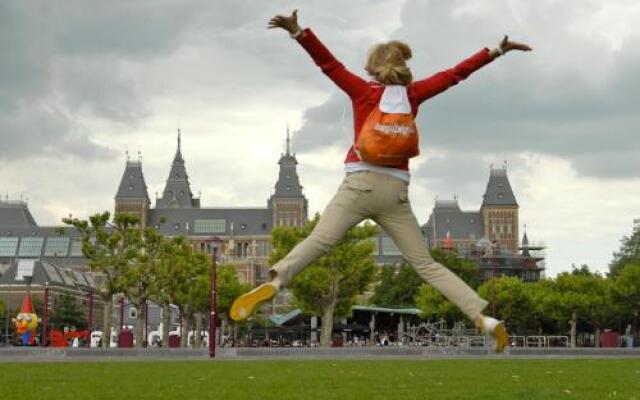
(14, 354)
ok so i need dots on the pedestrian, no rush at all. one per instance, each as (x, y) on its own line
(377, 167)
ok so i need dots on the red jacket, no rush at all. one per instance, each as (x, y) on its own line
(366, 95)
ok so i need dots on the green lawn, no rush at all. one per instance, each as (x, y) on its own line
(344, 380)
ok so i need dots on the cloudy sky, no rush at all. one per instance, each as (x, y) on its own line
(81, 82)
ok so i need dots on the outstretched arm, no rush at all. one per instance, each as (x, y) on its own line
(443, 80)
(352, 84)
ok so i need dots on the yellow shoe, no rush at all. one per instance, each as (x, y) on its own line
(495, 328)
(244, 305)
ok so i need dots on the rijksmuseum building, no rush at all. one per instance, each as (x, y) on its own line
(31, 255)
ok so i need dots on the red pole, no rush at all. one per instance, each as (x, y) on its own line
(90, 318)
(212, 307)
(121, 314)
(45, 317)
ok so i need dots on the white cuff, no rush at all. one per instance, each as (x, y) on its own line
(296, 35)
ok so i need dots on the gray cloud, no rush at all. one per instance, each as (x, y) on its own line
(572, 97)
(328, 124)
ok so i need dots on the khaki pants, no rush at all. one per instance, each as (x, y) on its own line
(384, 199)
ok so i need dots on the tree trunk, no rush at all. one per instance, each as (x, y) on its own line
(223, 326)
(326, 330)
(186, 322)
(235, 335)
(166, 324)
(573, 323)
(198, 341)
(106, 321)
(596, 337)
(141, 332)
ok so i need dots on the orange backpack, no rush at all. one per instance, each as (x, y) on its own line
(387, 139)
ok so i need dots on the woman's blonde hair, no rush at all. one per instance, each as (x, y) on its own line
(387, 63)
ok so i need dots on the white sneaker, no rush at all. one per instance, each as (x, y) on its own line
(495, 328)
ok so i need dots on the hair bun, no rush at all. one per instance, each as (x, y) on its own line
(386, 62)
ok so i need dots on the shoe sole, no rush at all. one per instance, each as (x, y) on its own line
(244, 305)
(501, 336)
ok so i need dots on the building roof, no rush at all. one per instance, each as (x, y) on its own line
(15, 214)
(281, 319)
(212, 221)
(177, 191)
(411, 311)
(460, 224)
(42, 272)
(45, 231)
(498, 191)
(450, 205)
(132, 184)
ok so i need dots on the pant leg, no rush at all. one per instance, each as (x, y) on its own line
(341, 214)
(401, 224)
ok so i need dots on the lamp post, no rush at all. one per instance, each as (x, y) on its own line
(45, 315)
(493, 289)
(145, 341)
(214, 243)
(121, 314)
(89, 317)
(493, 279)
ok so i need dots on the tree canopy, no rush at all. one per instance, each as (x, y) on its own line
(629, 252)
(329, 286)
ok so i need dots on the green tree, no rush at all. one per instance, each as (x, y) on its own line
(583, 297)
(229, 288)
(67, 312)
(466, 269)
(109, 249)
(434, 306)
(626, 291)
(398, 287)
(329, 286)
(629, 252)
(513, 302)
(193, 292)
(542, 297)
(173, 274)
(139, 281)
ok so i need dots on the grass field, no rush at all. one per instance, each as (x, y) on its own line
(340, 379)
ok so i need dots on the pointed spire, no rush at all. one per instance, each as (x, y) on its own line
(177, 191)
(525, 239)
(288, 141)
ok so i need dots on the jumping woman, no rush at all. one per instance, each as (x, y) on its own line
(377, 168)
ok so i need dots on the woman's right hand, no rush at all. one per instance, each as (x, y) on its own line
(289, 24)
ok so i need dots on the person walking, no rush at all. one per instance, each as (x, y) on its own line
(377, 168)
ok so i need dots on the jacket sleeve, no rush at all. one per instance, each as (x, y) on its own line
(441, 81)
(350, 83)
